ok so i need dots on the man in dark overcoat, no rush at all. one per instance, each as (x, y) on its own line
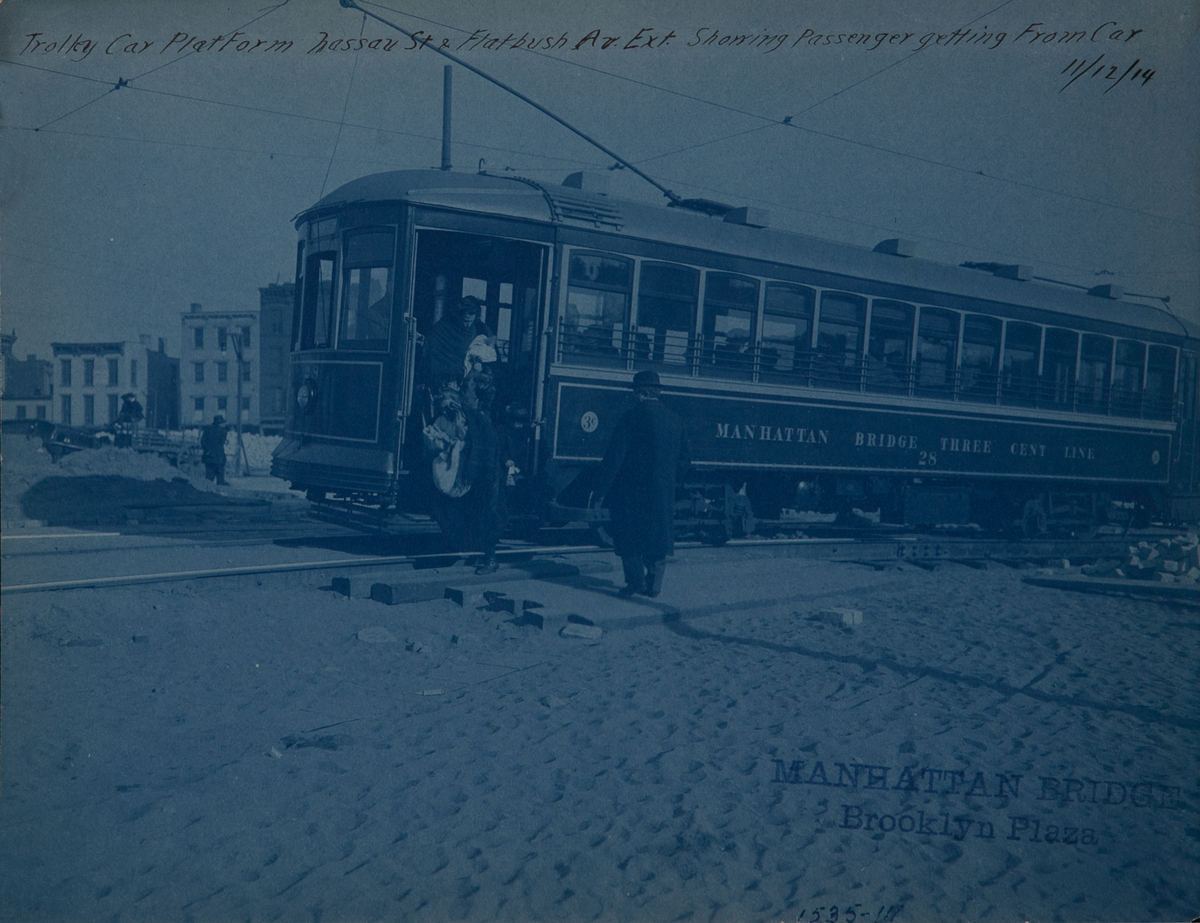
(647, 453)
(212, 449)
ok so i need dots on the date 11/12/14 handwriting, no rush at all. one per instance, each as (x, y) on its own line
(848, 913)
(1112, 74)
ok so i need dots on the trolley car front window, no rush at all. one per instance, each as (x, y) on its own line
(316, 327)
(367, 291)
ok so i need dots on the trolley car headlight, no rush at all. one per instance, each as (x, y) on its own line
(305, 395)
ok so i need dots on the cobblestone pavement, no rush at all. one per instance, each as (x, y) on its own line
(976, 748)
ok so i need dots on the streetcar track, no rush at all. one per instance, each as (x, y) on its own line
(895, 549)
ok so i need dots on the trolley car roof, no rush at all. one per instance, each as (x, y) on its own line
(529, 200)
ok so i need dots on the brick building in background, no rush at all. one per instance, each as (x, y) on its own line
(275, 324)
(91, 377)
(208, 365)
(28, 384)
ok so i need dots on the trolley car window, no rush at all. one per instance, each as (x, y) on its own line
(728, 334)
(597, 314)
(889, 344)
(937, 349)
(980, 354)
(786, 331)
(1095, 361)
(1127, 377)
(1160, 382)
(839, 339)
(1058, 366)
(297, 298)
(667, 296)
(1022, 343)
(317, 313)
(367, 290)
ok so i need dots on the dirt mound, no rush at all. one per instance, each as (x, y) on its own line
(110, 500)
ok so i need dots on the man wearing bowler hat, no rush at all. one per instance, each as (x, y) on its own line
(647, 453)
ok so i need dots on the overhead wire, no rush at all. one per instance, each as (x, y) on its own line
(788, 121)
(342, 124)
(345, 107)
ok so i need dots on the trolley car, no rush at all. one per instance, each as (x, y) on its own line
(811, 375)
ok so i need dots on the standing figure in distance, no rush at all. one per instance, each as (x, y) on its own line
(212, 449)
(647, 453)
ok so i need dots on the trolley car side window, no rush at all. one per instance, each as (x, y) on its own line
(667, 295)
(787, 332)
(1058, 367)
(839, 340)
(316, 320)
(367, 290)
(726, 344)
(597, 315)
(1160, 381)
(1127, 377)
(937, 348)
(1022, 343)
(980, 357)
(889, 346)
(1095, 361)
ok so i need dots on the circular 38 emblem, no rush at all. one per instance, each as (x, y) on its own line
(1154, 457)
(589, 421)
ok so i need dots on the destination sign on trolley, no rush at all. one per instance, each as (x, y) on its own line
(737, 432)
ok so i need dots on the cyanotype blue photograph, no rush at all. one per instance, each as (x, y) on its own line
(628, 461)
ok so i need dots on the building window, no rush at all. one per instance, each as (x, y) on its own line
(133, 373)
(89, 372)
(245, 371)
(112, 408)
(222, 404)
(114, 373)
(245, 338)
(20, 411)
(66, 374)
(245, 408)
(198, 368)
(222, 339)
(198, 404)
(89, 410)
(222, 371)
(66, 409)
(198, 337)
(41, 412)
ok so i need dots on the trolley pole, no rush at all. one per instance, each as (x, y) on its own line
(446, 82)
(243, 463)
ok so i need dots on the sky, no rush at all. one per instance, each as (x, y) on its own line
(153, 154)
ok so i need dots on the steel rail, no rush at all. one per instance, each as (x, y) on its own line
(866, 549)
